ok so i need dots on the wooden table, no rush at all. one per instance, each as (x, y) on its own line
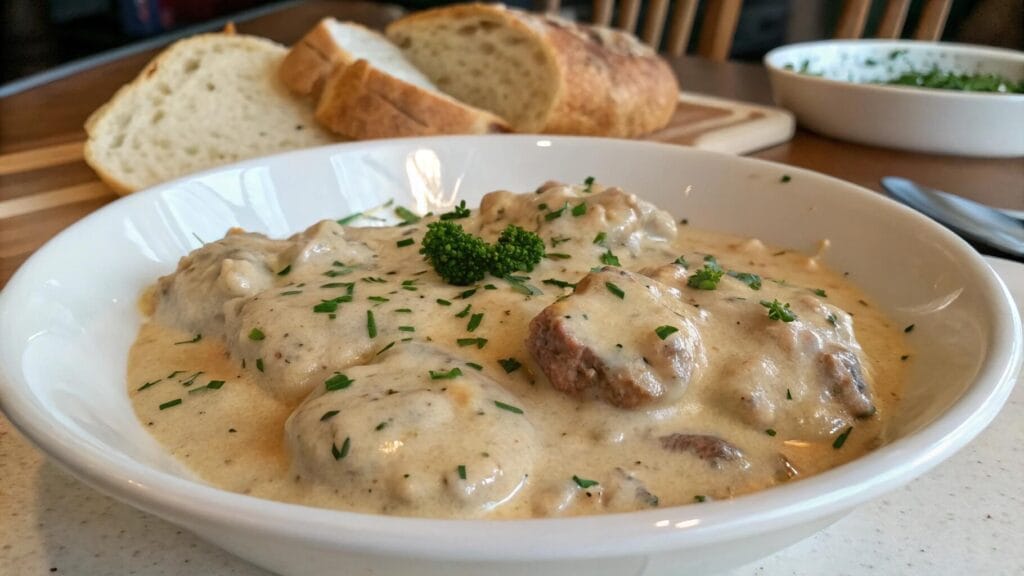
(40, 198)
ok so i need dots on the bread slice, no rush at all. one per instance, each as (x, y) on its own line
(367, 89)
(207, 100)
(541, 73)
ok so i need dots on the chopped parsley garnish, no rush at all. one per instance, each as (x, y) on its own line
(284, 271)
(148, 384)
(789, 395)
(610, 259)
(474, 366)
(600, 238)
(707, 278)
(909, 329)
(170, 404)
(339, 454)
(443, 302)
(194, 339)
(407, 216)
(665, 331)
(579, 209)
(820, 292)
(385, 349)
(490, 287)
(559, 283)
(459, 212)
(779, 311)
(338, 382)
(556, 240)
(785, 178)
(461, 469)
(405, 242)
(841, 439)
(508, 407)
(329, 414)
(445, 375)
(557, 256)
(466, 293)
(259, 364)
(681, 261)
(371, 324)
(350, 218)
(474, 322)
(588, 184)
(700, 498)
(478, 342)
(583, 482)
(510, 365)
(752, 280)
(615, 290)
(256, 334)
(556, 213)
(380, 426)
(770, 432)
(340, 272)
(464, 312)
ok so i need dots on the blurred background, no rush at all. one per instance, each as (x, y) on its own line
(38, 35)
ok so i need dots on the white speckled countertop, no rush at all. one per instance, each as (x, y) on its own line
(964, 517)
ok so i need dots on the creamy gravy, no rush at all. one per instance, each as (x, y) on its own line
(356, 405)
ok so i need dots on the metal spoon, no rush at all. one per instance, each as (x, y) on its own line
(977, 223)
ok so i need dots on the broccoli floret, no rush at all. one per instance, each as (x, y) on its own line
(516, 250)
(457, 256)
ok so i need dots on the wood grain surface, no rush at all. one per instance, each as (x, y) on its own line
(45, 186)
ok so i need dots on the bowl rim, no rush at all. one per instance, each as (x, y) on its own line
(996, 54)
(833, 492)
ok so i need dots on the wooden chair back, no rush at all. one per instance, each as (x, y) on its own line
(929, 26)
(718, 25)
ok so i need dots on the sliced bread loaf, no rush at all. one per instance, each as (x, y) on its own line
(205, 101)
(541, 73)
(367, 89)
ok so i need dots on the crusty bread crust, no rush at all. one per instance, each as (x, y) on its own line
(361, 102)
(312, 59)
(609, 84)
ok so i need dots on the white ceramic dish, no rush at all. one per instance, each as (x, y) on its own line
(68, 317)
(830, 87)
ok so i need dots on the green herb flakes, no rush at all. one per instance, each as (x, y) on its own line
(614, 289)
(338, 382)
(779, 311)
(345, 446)
(461, 469)
(194, 339)
(445, 375)
(371, 324)
(665, 331)
(510, 365)
(841, 439)
(329, 414)
(170, 404)
(405, 242)
(583, 482)
(579, 209)
(474, 322)
(609, 259)
(508, 407)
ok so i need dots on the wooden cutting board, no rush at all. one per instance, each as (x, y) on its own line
(48, 187)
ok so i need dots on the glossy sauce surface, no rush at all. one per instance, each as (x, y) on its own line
(347, 374)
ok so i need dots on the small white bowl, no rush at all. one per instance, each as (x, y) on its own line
(69, 315)
(832, 88)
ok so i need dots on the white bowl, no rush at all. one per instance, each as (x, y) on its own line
(68, 317)
(830, 87)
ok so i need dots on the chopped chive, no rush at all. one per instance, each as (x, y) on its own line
(510, 364)
(519, 284)
(405, 242)
(148, 384)
(831, 318)
(443, 302)
(407, 216)
(380, 426)
(508, 407)
(909, 329)
(700, 498)
(329, 414)
(170, 404)
(373, 280)
(284, 271)
(555, 213)
(378, 299)
(403, 310)
(350, 218)
(579, 209)
(464, 312)
(191, 379)
(785, 178)
(339, 454)
(789, 395)
(371, 324)
(478, 342)
(195, 339)
(407, 328)
(751, 280)
(583, 482)
(337, 285)
(841, 439)
(337, 382)
(474, 366)
(445, 375)
(211, 385)
(770, 432)
(326, 306)
(665, 331)
(385, 349)
(474, 322)
(615, 290)
(259, 364)
(175, 373)
(559, 283)
(336, 273)
(557, 256)
(466, 293)
(600, 238)
(290, 292)
(556, 240)
(256, 334)
(904, 357)
(461, 469)
(609, 259)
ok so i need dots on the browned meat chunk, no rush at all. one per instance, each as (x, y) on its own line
(605, 339)
(710, 449)
(842, 368)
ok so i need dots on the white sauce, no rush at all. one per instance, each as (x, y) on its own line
(486, 443)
